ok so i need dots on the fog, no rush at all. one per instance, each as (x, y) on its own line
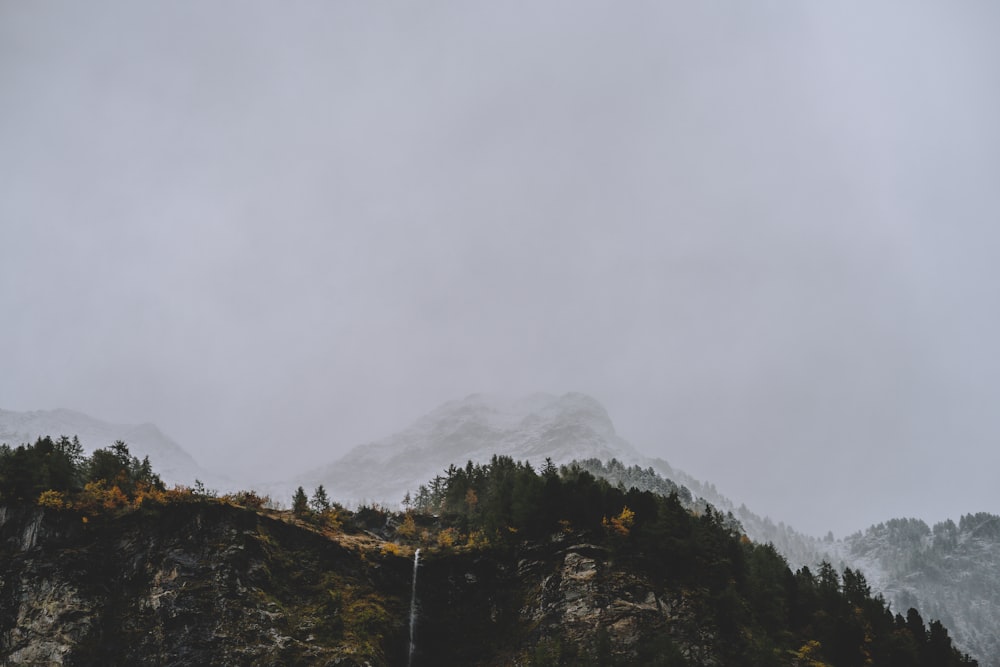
(764, 235)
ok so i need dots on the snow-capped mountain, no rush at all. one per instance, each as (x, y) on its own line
(174, 465)
(563, 428)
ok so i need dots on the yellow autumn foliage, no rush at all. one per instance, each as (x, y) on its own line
(408, 528)
(808, 655)
(50, 499)
(447, 538)
(620, 524)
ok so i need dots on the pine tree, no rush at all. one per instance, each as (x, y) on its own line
(300, 504)
(320, 502)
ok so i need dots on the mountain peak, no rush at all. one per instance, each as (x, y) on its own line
(504, 413)
(532, 427)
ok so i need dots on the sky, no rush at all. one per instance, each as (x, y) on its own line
(763, 234)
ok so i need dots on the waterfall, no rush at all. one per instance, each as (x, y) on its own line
(413, 607)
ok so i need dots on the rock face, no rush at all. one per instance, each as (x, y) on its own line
(555, 603)
(218, 585)
(567, 427)
(190, 585)
(580, 597)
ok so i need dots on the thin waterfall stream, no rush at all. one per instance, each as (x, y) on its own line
(413, 607)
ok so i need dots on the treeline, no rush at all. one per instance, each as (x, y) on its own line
(799, 549)
(761, 612)
(55, 474)
(644, 479)
(53, 471)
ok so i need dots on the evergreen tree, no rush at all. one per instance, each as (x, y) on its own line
(300, 504)
(320, 502)
(115, 466)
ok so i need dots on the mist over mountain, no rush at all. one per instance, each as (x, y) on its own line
(533, 428)
(175, 465)
(763, 233)
(573, 427)
(951, 571)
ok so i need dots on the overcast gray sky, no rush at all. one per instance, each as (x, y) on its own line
(763, 234)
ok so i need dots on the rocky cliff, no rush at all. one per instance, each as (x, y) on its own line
(193, 584)
(560, 603)
(209, 584)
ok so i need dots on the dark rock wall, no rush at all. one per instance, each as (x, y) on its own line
(206, 584)
(191, 585)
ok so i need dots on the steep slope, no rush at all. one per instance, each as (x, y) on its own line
(174, 464)
(951, 571)
(191, 584)
(659, 477)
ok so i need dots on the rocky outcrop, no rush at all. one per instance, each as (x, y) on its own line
(586, 600)
(552, 604)
(190, 585)
(583, 598)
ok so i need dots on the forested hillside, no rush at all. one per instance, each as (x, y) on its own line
(755, 604)
(102, 564)
(950, 571)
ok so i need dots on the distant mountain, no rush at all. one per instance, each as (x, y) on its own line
(563, 428)
(573, 427)
(174, 464)
(950, 572)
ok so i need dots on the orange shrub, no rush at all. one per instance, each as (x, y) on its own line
(97, 496)
(52, 500)
(145, 493)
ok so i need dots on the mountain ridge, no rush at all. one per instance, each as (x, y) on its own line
(533, 428)
(175, 464)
